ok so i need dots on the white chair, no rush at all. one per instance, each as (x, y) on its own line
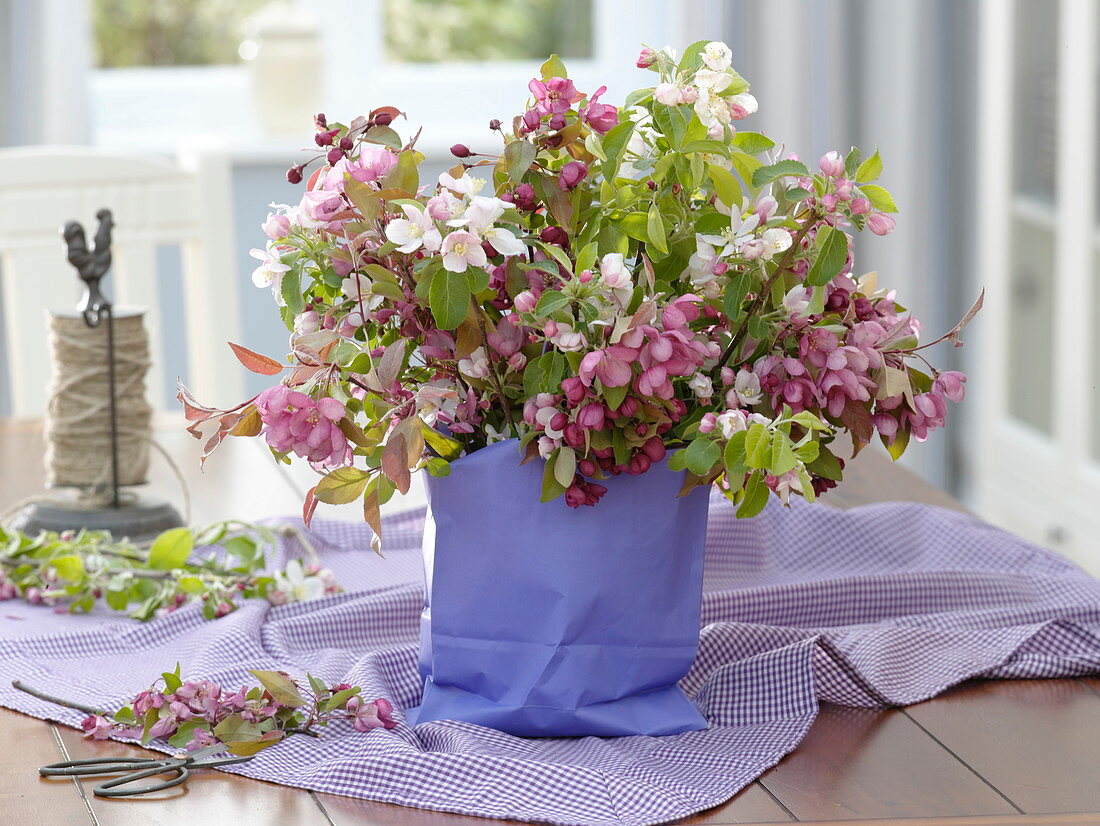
(155, 202)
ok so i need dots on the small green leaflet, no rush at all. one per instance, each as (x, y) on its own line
(869, 169)
(449, 299)
(756, 497)
(171, 549)
(702, 455)
(783, 169)
(832, 252)
(880, 199)
(518, 156)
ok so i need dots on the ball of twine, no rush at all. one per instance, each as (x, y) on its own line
(78, 425)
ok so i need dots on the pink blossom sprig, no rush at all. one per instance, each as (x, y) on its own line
(194, 714)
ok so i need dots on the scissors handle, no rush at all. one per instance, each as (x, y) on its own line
(98, 766)
(120, 786)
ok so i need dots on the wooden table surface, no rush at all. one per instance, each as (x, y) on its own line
(985, 753)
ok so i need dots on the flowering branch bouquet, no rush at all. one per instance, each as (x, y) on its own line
(73, 570)
(612, 284)
(194, 714)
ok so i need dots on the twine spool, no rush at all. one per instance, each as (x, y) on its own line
(78, 427)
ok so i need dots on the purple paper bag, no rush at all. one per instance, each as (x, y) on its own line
(546, 621)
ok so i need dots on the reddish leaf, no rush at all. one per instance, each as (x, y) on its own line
(858, 420)
(264, 365)
(309, 506)
(394, 461)
(249, 423)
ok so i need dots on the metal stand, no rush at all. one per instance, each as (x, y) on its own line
(129, 515)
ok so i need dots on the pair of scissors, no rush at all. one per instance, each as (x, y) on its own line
(175, 770)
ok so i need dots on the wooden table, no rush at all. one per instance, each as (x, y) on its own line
(1021, 752)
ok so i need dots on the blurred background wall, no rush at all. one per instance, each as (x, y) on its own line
(144, 76)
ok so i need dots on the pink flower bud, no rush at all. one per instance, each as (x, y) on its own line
(525, 302)
(844, 189)
(572, 174)
(524, 198)
(654, 449)
(860, 206)
(639, 464)
(585, 276)
(880, 223)
(574, 435)
(728, 376)
(587, 467)
(628, 407)
(708, 423)
(460, 150)
(294, 175)
(591, 416)
(531, 121)
(517, 361)
(573, 388)
(276, 226)
(646, 58)
(832, 164)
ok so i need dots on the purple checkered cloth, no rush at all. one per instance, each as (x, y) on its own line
(883, 605)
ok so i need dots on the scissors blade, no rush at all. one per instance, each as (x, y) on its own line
(203, 753)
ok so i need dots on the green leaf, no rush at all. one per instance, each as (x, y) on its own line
(342, 485)
(247, 748)
(404, 175)
(383, 135)
(734, 455)
(851, 161)
(449, 299)
(783, 458)
(551, 487)
(898, 446)
(869, 169)
(783, 169)
(758, 446)
(125, 716)
(290, 288)
(702, 455)
(279, 686)
(807, 452)
(477, 279)
(316, 685)
(827, 466)
(235, 729)
(614, 396)
(655, 229)
(565, 466)
(185, 733)
(739, 285)
(553, 67)
(614, 143)
(172, 680)
(518, 157)
(634, 224)
(550, 302)
(809, 421)
(341, 697)
(752, 143)
(708, 146)
(445, 446)
(726, 186)
(831, 247)
(171, 549)
(677, 460)
(692, 57)
(880, 199)
(70, 568)
(756, 497)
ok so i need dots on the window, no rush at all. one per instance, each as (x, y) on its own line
(131, 33)
(426, 31)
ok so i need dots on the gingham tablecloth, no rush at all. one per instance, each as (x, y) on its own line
(883, 605)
